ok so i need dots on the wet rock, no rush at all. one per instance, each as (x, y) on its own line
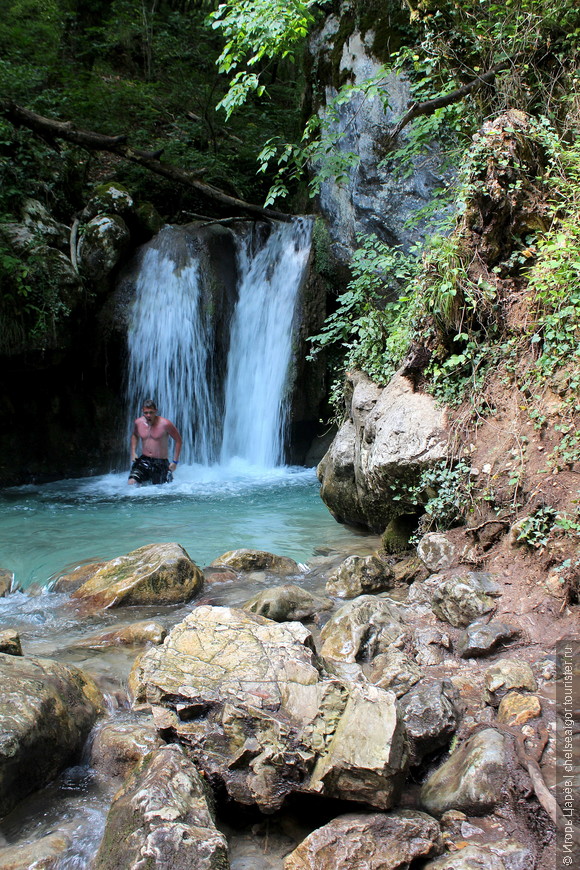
(468, 858)
(395, 671)
(517, 709)
(472, 779)
(6, 580)
(43, 854)
(104, 240)
(395, 538)
(256, 560)
(431, 645)
(430, 713)
(385, 841)
(47, 712)
(391, 434)
(146, 631)
(162, 818)
(155, 574)
(505, 675)
(362, 629)
(10, 642)
(480, 639)
(462, 598)
(436, 551)
(118, 746)
(72, 580)
(246, 698)
(287, 603)
(359, 575)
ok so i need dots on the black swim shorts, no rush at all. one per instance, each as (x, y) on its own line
(145, 469)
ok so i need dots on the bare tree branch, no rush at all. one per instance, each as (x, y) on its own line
(49, 130)
(430, 106)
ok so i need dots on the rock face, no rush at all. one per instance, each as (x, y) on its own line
(462, 598)
(161, 818)
(373, 199)
(385, 841)
(390, 436)
(430, 715)
(47, 712)
(247, 700)
(472, 779)
(155, 574)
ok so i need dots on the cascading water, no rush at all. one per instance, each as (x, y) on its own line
(170, 345)
(261, 345)
(172, 348)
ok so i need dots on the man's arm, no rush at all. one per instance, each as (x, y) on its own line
(173, 433)
(134, 442)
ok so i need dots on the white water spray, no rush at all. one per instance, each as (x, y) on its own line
(261, 345)
(172, 357)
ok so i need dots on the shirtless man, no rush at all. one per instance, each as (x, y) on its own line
(153, 465)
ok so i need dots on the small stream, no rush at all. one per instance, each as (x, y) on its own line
(48, 530)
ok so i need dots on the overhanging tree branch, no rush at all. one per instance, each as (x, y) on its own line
(50, 129)
(430, 106)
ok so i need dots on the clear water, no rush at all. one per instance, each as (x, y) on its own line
(48, 529)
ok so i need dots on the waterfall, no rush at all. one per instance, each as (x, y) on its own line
(224, 412)
(257, 393)
(170, 343)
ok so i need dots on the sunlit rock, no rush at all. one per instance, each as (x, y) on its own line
(287, 603)
(390, 436)
(162, 817)
(117, 746)
(505, 675)
(247, 699)
(395, 671)
(517, 709)
(462, 598)
(155, 574)
(362, 629)
(44, 853)
(383, 841)
(257, 560)
(359, 575)
(72, 580)
(472, 779)
(436, 551)
(10, 642)
(46, 714)
(147, 631)
(6, 581)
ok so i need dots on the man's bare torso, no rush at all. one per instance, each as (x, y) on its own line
(155, 438)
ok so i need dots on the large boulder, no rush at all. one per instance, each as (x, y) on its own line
(162, 818)
(102, 244)
(472, 780)
(362, 629)
(257, 560)
(390, 436)
(155, 574)
(383, 841)
(247, 699)
(359, 575)
(46, 714)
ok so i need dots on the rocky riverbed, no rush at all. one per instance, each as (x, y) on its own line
(362, 710)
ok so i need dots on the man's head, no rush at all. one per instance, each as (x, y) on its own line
(149, 410)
